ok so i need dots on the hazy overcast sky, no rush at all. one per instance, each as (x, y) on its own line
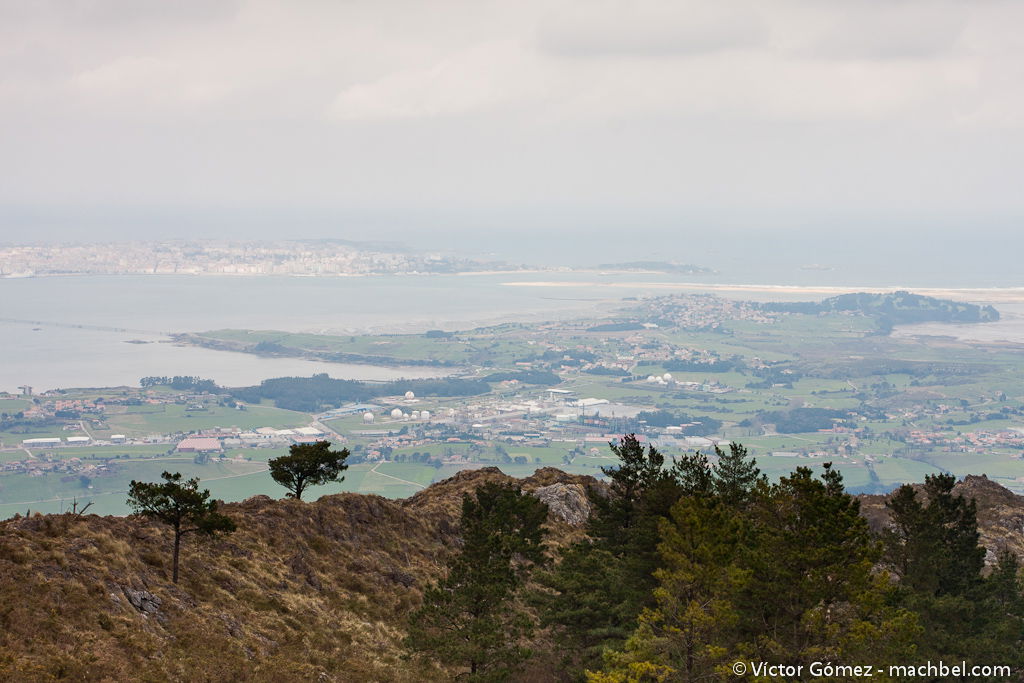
(235, 117)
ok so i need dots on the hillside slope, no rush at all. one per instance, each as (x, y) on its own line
(302, 591)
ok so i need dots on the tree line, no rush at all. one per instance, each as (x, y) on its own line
(181, 383)
(312, 394)
(692, 565)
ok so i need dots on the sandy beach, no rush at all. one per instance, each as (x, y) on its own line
(983, 295)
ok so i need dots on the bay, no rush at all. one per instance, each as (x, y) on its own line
(61, 332)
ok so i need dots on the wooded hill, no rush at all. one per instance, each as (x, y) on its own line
(894, 308)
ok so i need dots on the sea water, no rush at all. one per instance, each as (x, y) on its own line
(76, 331)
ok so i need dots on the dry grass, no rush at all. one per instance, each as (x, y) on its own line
(302, 591)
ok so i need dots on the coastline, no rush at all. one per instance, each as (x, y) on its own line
(984, 294)
(533, 270)
(973, 294)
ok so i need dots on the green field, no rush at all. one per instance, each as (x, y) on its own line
(234, 480)
(230, 481)
(832, 361)
(13, 405)
(170, 418)
(995, 466)
(471, 347)
(48, 493)
(901, 470)
(103, 452)
(14, 438)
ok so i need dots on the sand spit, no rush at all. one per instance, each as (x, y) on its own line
(986, 294)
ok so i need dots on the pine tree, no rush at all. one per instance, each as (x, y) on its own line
(616, 569)
(998, 631)
(787, 578)
(469, 618)
(693, 474)
(631, 482)
(735, 475)
(812, 560)
(933, 546)
(310, 464)
(589, 600)
(612, 573)
(692, 627)
(180, 505)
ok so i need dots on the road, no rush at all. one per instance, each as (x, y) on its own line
(404, 481)
(81, 423)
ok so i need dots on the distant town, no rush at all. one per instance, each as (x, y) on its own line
(297, 258)
(492, 427)
(209, 257)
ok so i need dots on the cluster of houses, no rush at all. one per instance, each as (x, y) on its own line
(47, 463)
(703, 311)
(968, 442)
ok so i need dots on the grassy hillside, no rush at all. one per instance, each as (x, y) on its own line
(302, 591)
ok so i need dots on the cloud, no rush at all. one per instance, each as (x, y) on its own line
(480, 77)
(649, 103)
(119, 13)
(649, 28)
(900, 29)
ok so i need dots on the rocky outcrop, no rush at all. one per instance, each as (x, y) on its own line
(567, 503)
(144, 601)
(567, 495)
(1000, 513)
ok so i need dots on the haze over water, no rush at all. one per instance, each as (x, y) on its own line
(149, 307)
(875, 253)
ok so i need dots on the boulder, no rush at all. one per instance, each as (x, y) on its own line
(144, 601)
(566, 502)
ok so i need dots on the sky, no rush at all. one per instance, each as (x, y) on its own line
(477, 120)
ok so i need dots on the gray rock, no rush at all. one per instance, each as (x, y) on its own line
(144, 601)
(566, 502)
